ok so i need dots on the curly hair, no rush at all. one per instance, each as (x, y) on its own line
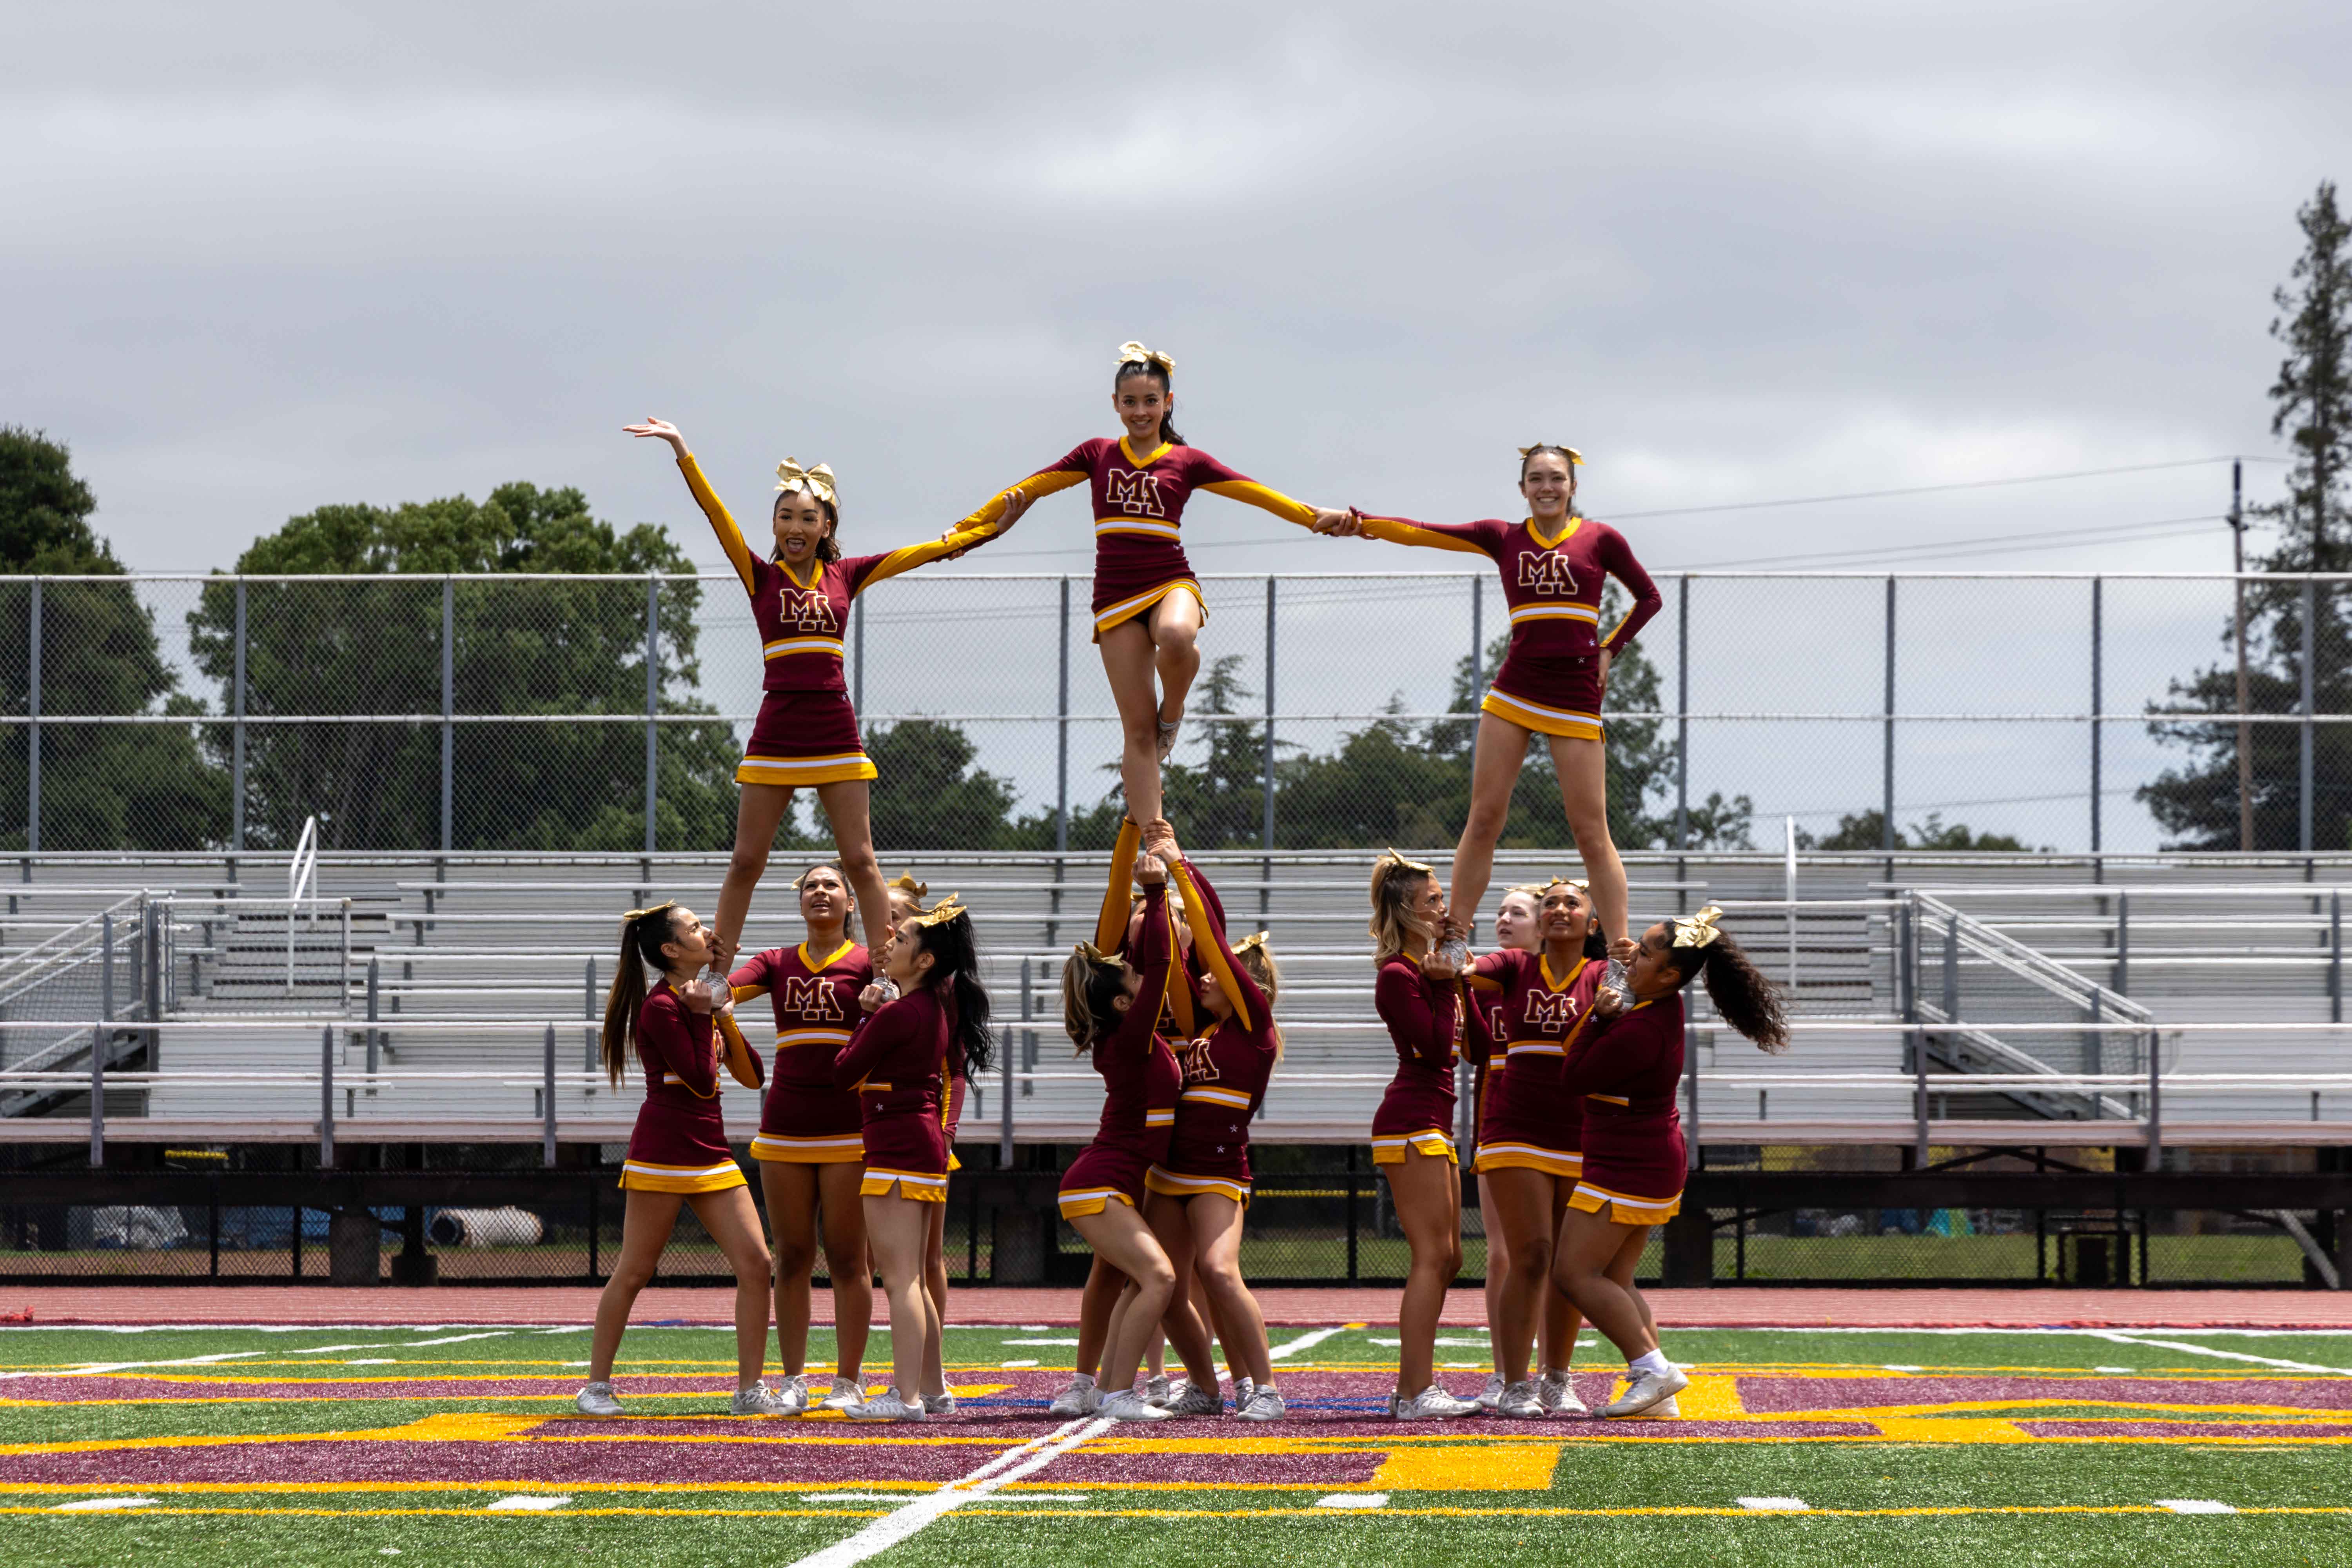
(1750, 1000)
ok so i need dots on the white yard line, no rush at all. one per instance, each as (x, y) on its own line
(1308, 1340)
(452, 1340)
(2217, 1350)
(1008, 1467)
(98, 1366)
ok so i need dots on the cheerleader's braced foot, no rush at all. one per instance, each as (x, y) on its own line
(1556, 1391)
(597, 1399)
(1168, 728)
(1648, 1389)
(1264, 1405)
(886, 1405)
(1186, 1398)
(761, 1400)
(1130, 1407)
(1432, 1403)
(1492, 1395)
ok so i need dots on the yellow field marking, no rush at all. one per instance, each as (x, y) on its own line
(1660, 1511)
(1490, 1466)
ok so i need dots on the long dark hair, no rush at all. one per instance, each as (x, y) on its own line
(955, 965)
(1745, 997)
(643, 933)
(1158, 372)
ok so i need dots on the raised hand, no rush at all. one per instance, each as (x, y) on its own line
(1608, 1003)
(1150, 870)
(1340, 523)
(1160, 839)
(697, 997)
(661, 430)
(872, 998)
(1436, 965)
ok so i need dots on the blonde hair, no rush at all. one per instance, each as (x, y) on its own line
(1092, 981)
(1255, 958)
(1393, 879)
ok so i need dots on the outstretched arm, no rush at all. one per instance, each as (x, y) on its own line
(1482, 538)
(731, 538)
(1074, 468)
(1208, 474)
(868, 569)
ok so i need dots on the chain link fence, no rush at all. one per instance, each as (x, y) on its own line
(562, 713)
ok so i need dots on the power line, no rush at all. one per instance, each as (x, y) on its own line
(1957, 485)
(1990, 544)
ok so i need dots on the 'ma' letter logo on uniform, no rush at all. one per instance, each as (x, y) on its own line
(813, 999)
(1550, 1014)
(807, 612)
(1136, 494)
(1547, 573)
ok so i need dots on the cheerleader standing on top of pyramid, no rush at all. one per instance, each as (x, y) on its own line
(806, 733)
(1554, 564)
(677, 1154)
(1626, 1066)
(1147, 607)
(810, 1150)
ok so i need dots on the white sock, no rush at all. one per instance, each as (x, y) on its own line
(1085, 1380)
(1654, 1361)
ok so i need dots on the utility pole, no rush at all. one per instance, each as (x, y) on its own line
(2238, 590)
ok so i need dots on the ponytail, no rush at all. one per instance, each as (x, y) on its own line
(643, 933)
(1394, 880)
(1744, 994)
(955, 968)
(1092, 981)
(1254, 959)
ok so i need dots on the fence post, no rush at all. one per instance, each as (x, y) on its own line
(1681, 715)
(1789, 878)
(106, 967)
(97, 1095)
(2123, 943)
(2336, 957)
(653, 691)
(1919, 1098)
(2099, 695)
(2155, 1102)
(236, 739)
(547, 1111)
(33, 737)
(1886, 795)
(1004, 1111)
(2302, 758)
(375, 1036)
(1951, 968)
(1028, 1038)
(151, 943)
(448, 714)
(326, 1102)
(1269, 725)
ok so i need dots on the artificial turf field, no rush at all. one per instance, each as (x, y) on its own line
(459, 1445)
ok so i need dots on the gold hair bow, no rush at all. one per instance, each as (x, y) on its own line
(816, 480)
(1574, 457)
(1091, 954)
(1255, 939)
(662, 908)
(945, 911)
(905, 882)
(1390, 859)
(1700, 929)
(1136, 353)
(1578, 883)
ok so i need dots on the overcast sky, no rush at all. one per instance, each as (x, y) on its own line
(263, 256)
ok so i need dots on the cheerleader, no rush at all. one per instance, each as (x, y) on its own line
(1515, 927)
(1110, 1009)
(896, 1062)
(677, 1154)
(806, 733)
(1201, 1189)
(1419, 998)
(1147, 607)
(907, 896)
(1553, 566)
(811, 1152)
(1528, 1156)
(1627, 1067)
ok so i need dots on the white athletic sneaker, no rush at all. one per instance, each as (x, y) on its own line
(596, 1399)
(1519, 1403)
(1155, 1389)
(1432, 1403)
(1664, 1410)
(1130, 1406)
(1185, 1398)
(794, 1393)
(847, 1392)
(1168, 740)
(886, 1405)
(1492, 1395)
(758, 1400)
(1081, 1398)
(1557, 1394)
(1243, 1391)
(1648, 1388)
(1265, 1404)
(938, 1404)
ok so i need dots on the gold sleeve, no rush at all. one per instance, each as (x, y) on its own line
(731, 538)
(1259, 495)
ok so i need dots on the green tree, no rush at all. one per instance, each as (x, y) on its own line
(930, 795)
(375, 647)
(1866, 830)
(2311, 404)
(104, 786)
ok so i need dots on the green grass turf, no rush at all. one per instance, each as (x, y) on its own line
(1192, 1528)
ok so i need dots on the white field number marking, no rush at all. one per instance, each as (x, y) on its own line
(1773, 1504)
(2192, 1505)
(104, 1504)
(1353, 1499)
(523, 1502)
(1309, 1340)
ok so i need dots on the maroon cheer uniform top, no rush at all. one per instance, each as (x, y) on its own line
(806, 732)
(1226, 1070)
(1425, 1019)
(1140, 1085)
(805, 1119)
(893, 1063)
(1528, 1119)
(680, 1143)
(1138, 500)
(1550, 678)
(1628, 1068)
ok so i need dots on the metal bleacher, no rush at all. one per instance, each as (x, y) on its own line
(454, 999)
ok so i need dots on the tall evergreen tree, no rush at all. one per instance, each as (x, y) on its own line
(2311, 404)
